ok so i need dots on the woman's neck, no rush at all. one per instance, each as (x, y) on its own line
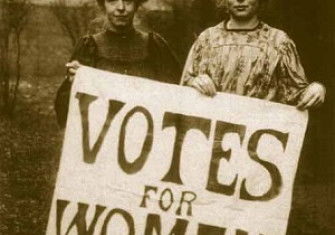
(236, 24)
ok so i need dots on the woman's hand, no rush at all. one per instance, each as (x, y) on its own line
(72, 68)
(313, 96)
(204, 84)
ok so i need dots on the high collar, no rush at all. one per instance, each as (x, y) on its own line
(129, 47)
(258, 26)
(129, 33)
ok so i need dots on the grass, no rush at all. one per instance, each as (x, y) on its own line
(29, 149)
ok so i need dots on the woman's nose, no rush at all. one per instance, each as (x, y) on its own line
(120, 5)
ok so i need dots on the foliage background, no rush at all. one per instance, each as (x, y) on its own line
(30, 140)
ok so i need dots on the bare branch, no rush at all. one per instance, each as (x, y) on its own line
(13, 18)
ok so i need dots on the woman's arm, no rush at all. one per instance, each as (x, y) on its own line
(293, 84)
(84, 53)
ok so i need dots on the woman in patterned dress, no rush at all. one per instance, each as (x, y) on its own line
(245, 56)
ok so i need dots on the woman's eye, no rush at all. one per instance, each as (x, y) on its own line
(126, 1)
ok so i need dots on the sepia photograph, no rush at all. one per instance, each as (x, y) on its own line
(167, 117)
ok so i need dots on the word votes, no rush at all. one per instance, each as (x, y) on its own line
(182, 124)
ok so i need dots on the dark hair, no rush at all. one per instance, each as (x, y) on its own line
(101, 3)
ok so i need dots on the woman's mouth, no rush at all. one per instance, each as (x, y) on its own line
(120, 16)
(241, 8)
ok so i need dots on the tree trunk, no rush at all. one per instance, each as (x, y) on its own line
(18, 74)
(5, 76)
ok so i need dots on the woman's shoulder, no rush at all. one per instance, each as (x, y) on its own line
(86, 41)
(158, 40)
(211, 35)
(85, 50)
(278, 37)
(85, 44)
(157, 37)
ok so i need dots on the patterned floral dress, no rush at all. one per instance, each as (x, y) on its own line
(261, 63)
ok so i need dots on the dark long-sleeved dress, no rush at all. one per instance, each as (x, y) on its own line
(134, 53)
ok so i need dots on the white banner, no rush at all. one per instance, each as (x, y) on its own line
(142, 157)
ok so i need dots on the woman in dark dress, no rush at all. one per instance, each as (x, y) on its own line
(121, 49)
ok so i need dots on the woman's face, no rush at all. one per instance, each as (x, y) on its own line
(243, 9)
(120, 13)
